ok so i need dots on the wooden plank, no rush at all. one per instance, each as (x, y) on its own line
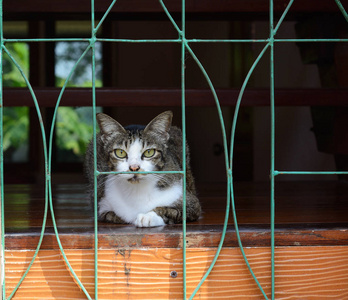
(171, 237)
(301, 273)
(308, 213)
(47, 97)
(319, 202)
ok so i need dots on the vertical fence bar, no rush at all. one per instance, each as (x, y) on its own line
(2, 233)
(183, 110)
(272, 187)
(46, 174)
(233, 131)
(93, 39)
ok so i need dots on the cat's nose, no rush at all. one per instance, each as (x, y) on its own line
(134, 168)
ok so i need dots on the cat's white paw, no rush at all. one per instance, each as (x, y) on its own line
(150, 219)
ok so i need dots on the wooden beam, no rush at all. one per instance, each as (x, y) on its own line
(192, 6)
(322, 219)
(116, 236)
(47, 97)
(300, 273)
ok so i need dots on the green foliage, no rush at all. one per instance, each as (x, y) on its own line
(60, 82)
(73, 133)
(73, 128)
(15, 119)
(16, 127)
(11, 75)
(67, 55)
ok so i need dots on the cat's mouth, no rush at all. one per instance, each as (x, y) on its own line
(135, 179)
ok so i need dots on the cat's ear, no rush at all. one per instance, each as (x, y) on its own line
(160, 125)
(108, 126)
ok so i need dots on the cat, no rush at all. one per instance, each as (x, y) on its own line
(145, 200)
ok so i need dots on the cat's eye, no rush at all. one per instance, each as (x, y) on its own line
(149, 153)
(120, 153)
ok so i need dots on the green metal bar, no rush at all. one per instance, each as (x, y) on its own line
(41, 40)
(62, 249)
(282, 17)
(222, 124)
(95, 202)
(2, 260)
(95, 206)
(183, 115)
(220, 41)
(293, 40)
(217, 103)
(110, 40)
(233, 131)
(239, 100)
(228, 173)
(179, 40)
(94, 30)
(46, 161)
(222, 239)
(49, 170)
(272, 204)
(276, 173)
(310, 40)
(225, 149)
(227, 41)
(340, 6)
(171, 19)
(150, 172)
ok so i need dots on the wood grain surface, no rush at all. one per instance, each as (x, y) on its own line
(311, 260)
(307, 214)
(301, 273)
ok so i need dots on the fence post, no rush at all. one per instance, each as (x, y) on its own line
(1, 255)
(2, 239)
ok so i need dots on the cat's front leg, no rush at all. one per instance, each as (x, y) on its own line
(170, 215)
(173, 215)
(110, 217)
(150, 219)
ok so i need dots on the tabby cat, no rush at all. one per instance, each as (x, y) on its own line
(145, 200)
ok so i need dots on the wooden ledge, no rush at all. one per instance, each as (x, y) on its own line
(307, 214)
(129, 237)
(192, 6)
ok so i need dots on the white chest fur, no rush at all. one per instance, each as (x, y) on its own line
(129, 201)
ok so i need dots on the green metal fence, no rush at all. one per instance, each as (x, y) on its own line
(186, 49)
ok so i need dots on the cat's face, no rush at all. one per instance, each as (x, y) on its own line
(135, 154)
(135, 148)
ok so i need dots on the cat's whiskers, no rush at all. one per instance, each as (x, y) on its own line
(129, 176)
(102, 180)
(136, 178)
(162, 178)
(113, 179)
